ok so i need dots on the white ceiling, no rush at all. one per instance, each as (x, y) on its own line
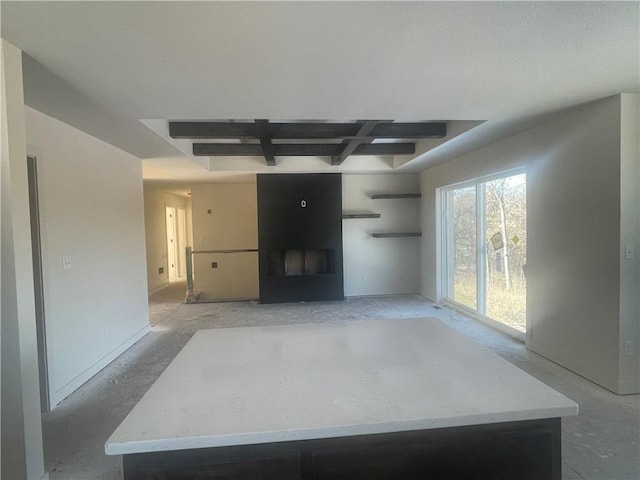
(105, 66)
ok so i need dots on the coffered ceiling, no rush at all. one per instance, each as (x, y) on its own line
(122, 71)
(305, 139)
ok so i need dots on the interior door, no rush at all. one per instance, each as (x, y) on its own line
(181, 242)
(172, 243)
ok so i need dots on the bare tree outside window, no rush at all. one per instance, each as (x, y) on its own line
(506, 215)
(502, 216)
(465, 249)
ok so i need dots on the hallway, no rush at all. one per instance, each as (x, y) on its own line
(600, 443)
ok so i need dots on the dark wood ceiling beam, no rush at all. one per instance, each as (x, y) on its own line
(385, 149)
(296, 131)
(211, 130)
(350, 145)
(228, 149)
(299, 150)
(293, 131)
(262, 131)
(410, 130)
(219, 130)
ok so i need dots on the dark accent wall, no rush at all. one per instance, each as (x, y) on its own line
(300, 237)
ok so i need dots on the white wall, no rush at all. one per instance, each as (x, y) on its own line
(573, 202)
(379, 266)
(92, 211)
(155, 201)
(573, 223)
(630, 233)
(21, 444)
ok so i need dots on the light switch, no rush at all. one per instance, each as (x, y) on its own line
(66, 262)
(628, 250)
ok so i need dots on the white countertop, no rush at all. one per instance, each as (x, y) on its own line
(238, 386)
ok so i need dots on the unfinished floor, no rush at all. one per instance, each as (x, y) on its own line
(602, 442)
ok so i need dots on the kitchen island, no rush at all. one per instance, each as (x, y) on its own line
(385, 399)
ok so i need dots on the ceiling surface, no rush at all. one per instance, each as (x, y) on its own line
(121, 70)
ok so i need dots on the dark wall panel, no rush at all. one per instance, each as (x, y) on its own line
(300, 213)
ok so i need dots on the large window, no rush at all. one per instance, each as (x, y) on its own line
(484, 225)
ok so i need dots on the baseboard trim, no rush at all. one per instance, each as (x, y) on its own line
(427, 298)
(159, 288)
(63, 392)
(374, 295)
(572, 367)
(629, 387)
(490, 322)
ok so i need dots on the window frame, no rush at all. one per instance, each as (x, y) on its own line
(444, 231)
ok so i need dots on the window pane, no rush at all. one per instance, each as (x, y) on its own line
(506, 248)
(464, 246)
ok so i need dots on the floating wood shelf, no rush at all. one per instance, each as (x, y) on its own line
(380, 196)
(396, 234)
(360, 215)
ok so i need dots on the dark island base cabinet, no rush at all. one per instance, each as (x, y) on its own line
(527, 450)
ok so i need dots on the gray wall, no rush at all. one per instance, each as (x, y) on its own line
(380, 266)
(573, 253)
(21, 453)
(91, 209)
(630, 234)
(573, 166)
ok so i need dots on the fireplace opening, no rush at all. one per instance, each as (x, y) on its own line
(301, 262)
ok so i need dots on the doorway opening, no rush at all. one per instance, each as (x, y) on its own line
(176, 243)
(38, 283)
(484, 247)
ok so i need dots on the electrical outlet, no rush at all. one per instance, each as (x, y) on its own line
(628, 348)
(628, 250)
(214, 264)
(160, 270)
(66, 262)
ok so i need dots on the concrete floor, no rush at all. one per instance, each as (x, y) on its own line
(603, 442)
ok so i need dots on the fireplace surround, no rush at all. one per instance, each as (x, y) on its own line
(300, 237)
